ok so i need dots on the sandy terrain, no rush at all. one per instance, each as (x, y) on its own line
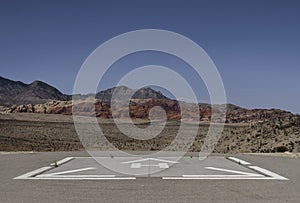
(48, 132)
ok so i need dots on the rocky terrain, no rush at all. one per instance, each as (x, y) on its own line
(37, 117)
(39, 97)
(49, 132)
(144, 93)
(139, 109)
(38, 92)
(276, 135)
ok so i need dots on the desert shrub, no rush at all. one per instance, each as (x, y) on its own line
(281, 149)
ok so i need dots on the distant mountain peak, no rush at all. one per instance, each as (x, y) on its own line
(38, 83)
(5, 81)
(42, 85)
(16, 92)
(122, 92)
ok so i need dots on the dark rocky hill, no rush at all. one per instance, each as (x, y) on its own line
(39, 97)
(38, 92)
(17, 93)
(122, 92)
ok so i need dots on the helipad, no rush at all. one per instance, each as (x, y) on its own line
(89, 168)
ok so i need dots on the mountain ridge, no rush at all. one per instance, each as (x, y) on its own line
(39, 97)
(17, 93)
(39, 92)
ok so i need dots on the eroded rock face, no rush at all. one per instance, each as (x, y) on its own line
(140, 108)
(39, 97)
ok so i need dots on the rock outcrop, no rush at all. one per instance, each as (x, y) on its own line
(139, 109)
(39, 97)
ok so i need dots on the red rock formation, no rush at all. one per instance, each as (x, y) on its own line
(139, 109)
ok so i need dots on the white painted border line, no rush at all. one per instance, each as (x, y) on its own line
(75, 176)
(105, 157)
(34, 173)
(221, 176)
(63, 161)
(225, 177)
(268, 173)
(149, 159)
(70, 171)
(239, 161)
(86, 178)
(232, 171)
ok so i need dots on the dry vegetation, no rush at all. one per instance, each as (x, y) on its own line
(46, 132)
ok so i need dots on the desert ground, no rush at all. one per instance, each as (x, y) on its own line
(50, 132)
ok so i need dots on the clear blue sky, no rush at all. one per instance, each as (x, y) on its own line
(254, 44)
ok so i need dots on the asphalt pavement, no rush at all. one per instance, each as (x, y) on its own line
(80, 178)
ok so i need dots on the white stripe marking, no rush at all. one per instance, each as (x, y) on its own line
(70, 171)
(228, 177)
(231, 171)
(139, 165)
(149, 159)
(105, 157)
(76, 176)
(33, 173)
(239, 161)
(222, 176)
(86, 178)
(268, 173)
